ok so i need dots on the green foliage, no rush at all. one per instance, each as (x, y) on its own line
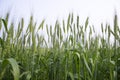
(15, 67)
(72, 52)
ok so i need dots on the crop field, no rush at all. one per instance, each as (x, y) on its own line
(69, 51)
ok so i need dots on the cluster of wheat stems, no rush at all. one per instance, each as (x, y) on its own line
(70, 52)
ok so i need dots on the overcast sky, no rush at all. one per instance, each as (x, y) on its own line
(98, 10)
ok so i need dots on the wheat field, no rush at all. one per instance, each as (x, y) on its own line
(70, 52)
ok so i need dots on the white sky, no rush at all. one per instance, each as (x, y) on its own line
(97, 10)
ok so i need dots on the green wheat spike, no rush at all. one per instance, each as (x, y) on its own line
(102, 28)
(41, 25)
(86, 23)
(68, 23)
(47, 30)
(0, 24)
(64, 26)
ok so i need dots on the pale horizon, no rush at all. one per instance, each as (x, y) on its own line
(98, 11)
